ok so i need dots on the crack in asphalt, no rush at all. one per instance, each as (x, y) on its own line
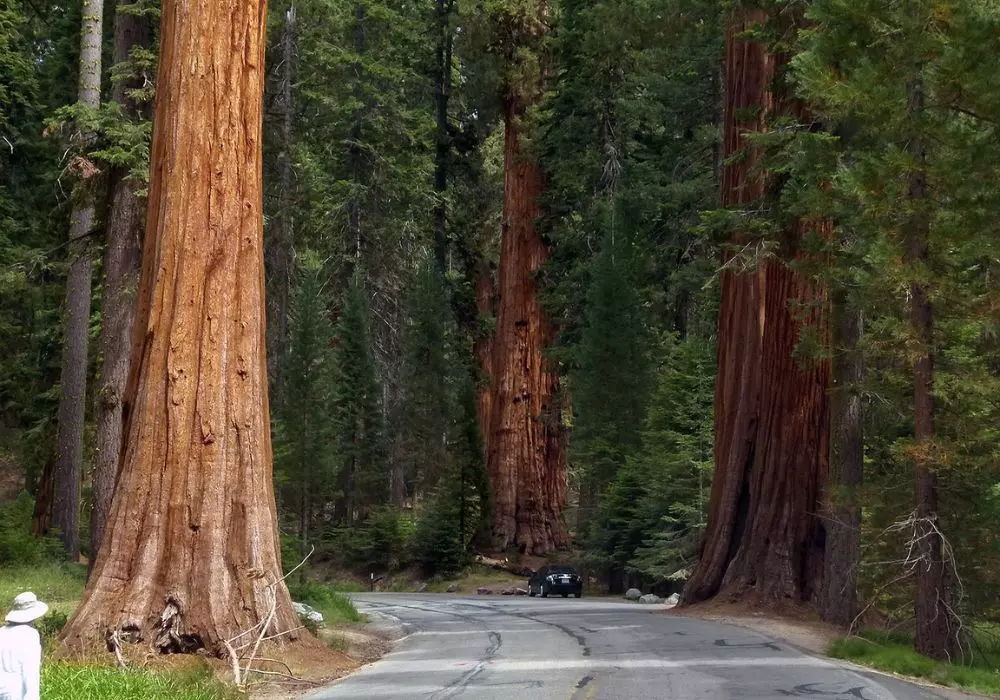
(460, 684)
(576, 636)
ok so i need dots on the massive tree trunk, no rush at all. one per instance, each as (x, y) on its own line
(842, 509)
(121, 280)
(526, 460)
(191, 554)
(937, 628)
(771, 412)
(73, 378)
(282, 243)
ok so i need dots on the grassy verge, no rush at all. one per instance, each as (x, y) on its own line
(335, 607)
(58, 584)
(66, 681)
(477, 575)
(894, 653)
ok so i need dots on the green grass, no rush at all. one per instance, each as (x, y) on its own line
(67, 681)
(335, 607)
(893, 652)
(58, 584)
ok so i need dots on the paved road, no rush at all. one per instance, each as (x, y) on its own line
(545, 649)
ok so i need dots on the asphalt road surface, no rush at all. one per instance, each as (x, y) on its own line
(500, 648)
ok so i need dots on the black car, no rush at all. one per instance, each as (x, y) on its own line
(555, 579)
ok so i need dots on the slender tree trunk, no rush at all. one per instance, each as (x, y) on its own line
(41, 518)
(771, 409)
(121, 280)
(526, 462)
(281, 247)
(191, 555)
(442, 92)
(838, 598)
(355, 155)
(73, 402)
(936, 633)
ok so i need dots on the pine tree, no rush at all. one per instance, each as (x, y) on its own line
(363, 477)
(610, 386)
(306, 452)
(910, 184)
(428, 407)
(653, 515)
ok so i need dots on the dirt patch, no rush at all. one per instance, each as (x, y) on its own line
(300, 669)
(320, 661)
(794, 624)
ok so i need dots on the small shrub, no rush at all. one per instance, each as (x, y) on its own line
(18, 547)
(335, 607)
(50, 626)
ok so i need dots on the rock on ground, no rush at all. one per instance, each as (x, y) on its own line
(633, 594)
(307, 613)
(452, 588)
(651, 599)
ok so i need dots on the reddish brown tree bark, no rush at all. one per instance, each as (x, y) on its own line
(526, 460)
(483, 349)
(771, 412)
(191, 554)
(122, 237)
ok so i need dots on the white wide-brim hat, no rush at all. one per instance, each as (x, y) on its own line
(26, 607)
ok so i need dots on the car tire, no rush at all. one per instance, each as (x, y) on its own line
(545, 592)
(531, 591)
(565, 595)
(577, 595)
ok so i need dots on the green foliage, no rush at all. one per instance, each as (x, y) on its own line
(858, 66)
(428, 410)
(306, 451)
(70, 681)
(17, 545)
(378, 544)
(359, 425)
(611, 385)
(440, 435)
(651, 520)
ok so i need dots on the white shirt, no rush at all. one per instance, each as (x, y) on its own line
(20, 662)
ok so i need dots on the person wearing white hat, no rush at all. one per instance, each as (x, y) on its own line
(21, 649)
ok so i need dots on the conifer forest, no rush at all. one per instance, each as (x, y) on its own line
(698, 296)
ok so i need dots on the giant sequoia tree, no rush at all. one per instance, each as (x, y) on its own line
(191, 557)
(526, 455)
(771, 407)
